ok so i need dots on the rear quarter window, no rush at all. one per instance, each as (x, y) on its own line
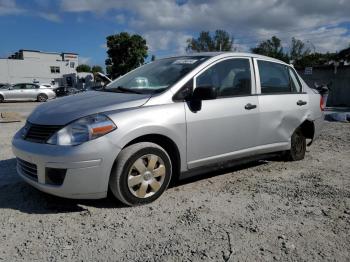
(295, 82)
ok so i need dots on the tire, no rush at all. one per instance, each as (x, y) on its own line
(148, 181)
(1, 99)
(298, 146)
(42, 98)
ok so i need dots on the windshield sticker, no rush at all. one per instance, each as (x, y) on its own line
(185, 61)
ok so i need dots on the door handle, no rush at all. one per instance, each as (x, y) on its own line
(249, 106)
(301, 103)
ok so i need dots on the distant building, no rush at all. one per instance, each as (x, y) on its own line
(36, 66)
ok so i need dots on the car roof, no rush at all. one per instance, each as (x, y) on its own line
(25, 84)
(229, 54)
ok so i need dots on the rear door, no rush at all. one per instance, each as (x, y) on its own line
(283, 104)
(31, 92)
(227, 125)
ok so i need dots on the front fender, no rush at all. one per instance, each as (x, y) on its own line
(165, 120)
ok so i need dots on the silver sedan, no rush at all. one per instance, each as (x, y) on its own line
(169, 119)
(27, 92)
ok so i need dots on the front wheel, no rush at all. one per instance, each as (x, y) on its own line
(141, 173)
(1, 99)
(298, 146)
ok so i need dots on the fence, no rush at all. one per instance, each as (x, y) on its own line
(339, 95)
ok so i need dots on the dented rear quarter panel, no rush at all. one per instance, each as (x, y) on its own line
(280, 116)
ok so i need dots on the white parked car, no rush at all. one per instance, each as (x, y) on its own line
(26, 92)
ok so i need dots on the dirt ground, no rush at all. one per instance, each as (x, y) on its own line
(264, 211)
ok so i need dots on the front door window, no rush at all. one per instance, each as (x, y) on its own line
(231, 77)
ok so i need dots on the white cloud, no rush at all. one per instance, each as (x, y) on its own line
(170, 41)
(43, 3)
(84, 60)
(9, 7)
(120, 19)
(50, 17)
(249, 21)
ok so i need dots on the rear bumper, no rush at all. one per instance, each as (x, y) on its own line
(52, 96)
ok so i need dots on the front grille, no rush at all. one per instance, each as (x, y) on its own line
(40, 133)
(27, 169)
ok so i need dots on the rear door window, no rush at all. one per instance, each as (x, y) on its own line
(274, 78)
(30, 86)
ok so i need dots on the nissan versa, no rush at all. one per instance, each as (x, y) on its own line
(169, 118)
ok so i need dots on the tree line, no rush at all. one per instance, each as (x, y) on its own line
(128, 51)
(88, 69)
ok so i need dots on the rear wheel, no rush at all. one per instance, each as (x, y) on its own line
(298, 146)
(141, 173)
(1, 99)
(42, 98)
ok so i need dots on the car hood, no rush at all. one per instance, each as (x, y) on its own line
(61, 111)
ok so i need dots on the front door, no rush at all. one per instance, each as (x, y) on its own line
(14, 93)
(227, 126)
(30, 92)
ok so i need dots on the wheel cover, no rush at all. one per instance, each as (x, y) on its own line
(146, 176)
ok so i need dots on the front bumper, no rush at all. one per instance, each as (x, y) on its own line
(87, 166)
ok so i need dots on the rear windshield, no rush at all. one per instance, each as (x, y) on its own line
(157, 76)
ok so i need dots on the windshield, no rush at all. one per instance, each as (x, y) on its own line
(157, 76)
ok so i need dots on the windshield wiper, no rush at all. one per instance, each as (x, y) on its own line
(127, 90)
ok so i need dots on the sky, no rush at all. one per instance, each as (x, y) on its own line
(81, 26)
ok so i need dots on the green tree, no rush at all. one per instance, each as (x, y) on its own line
(83, 68)
(206, 42)
(125, 52)
(97, 68)
(298, 50)
(315, 59)
(272, 48)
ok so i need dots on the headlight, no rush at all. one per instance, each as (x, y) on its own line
(82, 130)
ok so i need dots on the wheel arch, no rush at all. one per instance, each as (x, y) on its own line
(169, 146)
(308, 130)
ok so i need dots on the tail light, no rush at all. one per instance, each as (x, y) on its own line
(322, 103)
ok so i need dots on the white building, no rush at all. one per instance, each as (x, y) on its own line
(36, 66)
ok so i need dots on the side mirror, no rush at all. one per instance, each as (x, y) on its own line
(205, 93)
(202, 93)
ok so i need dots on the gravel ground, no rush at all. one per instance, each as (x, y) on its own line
(23, 108)
(267, 210)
